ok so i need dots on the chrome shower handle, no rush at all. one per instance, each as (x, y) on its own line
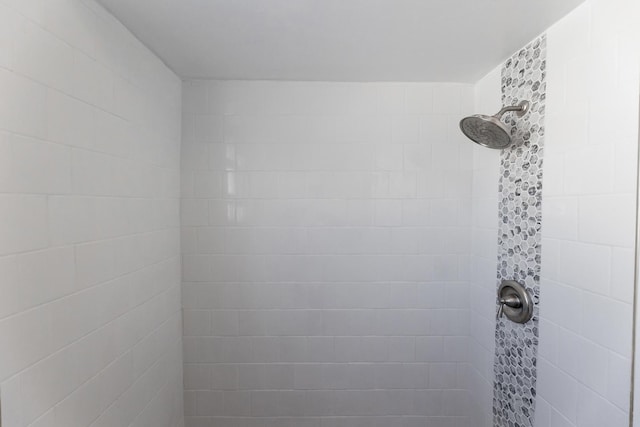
(510, 301)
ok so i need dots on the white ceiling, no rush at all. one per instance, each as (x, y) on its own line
(339, 40)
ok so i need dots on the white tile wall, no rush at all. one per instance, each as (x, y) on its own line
(326, 239)
(589, 216)
(90, 325)
(484, 258)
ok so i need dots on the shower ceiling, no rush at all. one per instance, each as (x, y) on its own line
(338, 40)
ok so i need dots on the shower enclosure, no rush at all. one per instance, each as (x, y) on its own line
(180, 252)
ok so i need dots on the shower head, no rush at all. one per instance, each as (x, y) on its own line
(489, 131)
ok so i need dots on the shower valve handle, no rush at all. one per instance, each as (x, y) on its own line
(515, 302)
(510, 301)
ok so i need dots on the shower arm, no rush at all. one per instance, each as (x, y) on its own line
(521, 109)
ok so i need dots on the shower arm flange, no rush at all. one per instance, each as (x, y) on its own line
(520, 109)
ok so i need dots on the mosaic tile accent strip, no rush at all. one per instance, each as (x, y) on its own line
(520, 199)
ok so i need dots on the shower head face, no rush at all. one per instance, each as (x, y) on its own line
(487, 131)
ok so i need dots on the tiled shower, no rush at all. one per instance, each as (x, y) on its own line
(254, 253)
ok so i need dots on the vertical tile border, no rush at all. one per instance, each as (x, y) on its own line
(519, 237)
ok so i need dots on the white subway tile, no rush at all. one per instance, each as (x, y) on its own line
(13, 402)
(559, 388)
(590, 367)
(11, 24)
(607, 220)
(420, 99)
(561, 218)
(46, 275)
(93, 82)
(585, 266)
(46, 383)
(40, 167)
(195, 157)
(392, 98)
(618, 381)
(28, 334)
(72, 22)
(24, 223)
(208, 128)
(23, 105)
(568, 317)
(405, 129)
(596, 410)
(41, 56)
(607, 322)
(588, 171)
(447, 98)
(113, 135)
(93, 173)
(70, 121)
(622, 272)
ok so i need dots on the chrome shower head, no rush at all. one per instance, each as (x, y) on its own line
(489, 131)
